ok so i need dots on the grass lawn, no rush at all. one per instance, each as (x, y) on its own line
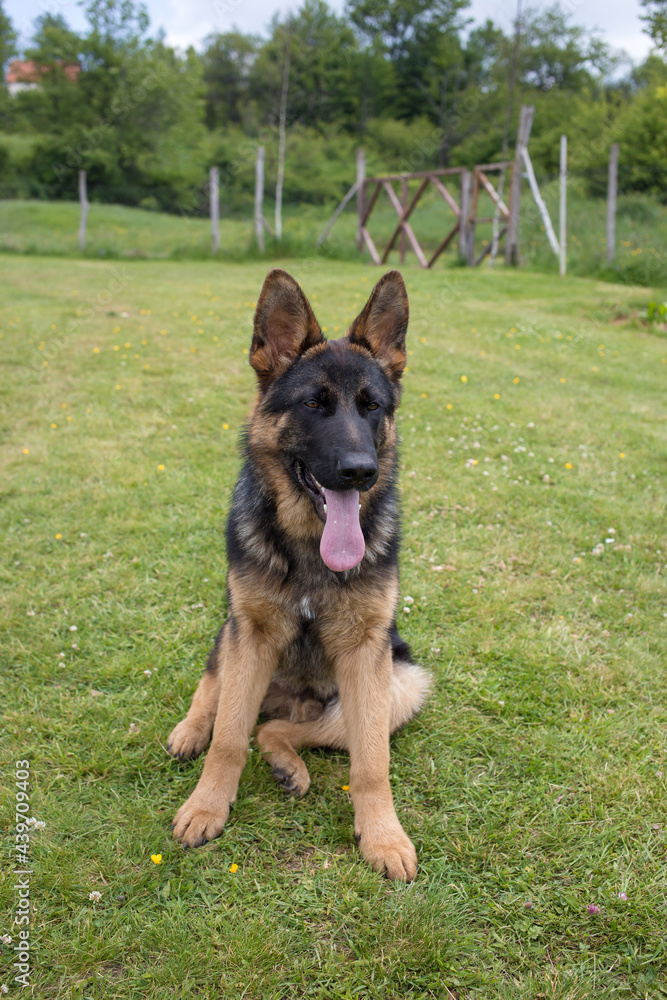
(533, 783)
(119, 232)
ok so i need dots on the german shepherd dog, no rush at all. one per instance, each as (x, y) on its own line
(312, 541)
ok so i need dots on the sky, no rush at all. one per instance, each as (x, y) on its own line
(189, 21)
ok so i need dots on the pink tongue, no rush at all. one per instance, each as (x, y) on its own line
(342, 546)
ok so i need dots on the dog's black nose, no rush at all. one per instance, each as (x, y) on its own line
(357, 469)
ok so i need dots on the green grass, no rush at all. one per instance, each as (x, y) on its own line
(533, 783)
(118, 232)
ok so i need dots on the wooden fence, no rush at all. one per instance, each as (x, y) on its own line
(464, 206)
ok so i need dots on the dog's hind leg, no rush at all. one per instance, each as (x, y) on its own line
(191, 736)
(279, 739)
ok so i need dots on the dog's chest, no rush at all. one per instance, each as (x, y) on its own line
(307, 609)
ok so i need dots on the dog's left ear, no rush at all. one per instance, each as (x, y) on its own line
(284, 326)
(383, 324)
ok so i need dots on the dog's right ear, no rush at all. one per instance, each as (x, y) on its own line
(284, 326)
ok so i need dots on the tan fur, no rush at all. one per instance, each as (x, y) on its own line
(193, 734)
(246, 661)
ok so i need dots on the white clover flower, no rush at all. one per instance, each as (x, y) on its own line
(6, 939)
(95, 896)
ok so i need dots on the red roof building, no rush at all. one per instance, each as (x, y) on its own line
(26, 74)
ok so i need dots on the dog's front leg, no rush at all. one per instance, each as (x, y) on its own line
(364, 683)
(247, 658)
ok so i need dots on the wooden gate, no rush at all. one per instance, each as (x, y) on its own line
(465, 210)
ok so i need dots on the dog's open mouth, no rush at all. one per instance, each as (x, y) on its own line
(342, 545)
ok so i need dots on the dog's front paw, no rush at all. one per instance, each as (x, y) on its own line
(393, 853)
(188, 740)
(199, 820)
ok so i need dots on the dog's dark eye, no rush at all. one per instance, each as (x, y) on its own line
(372, 406)
(312, 403)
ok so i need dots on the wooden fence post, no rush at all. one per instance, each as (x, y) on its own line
(563, 206)
(214, 197)
(464, 230)
(612, 191)
(83, 199)
(259, 198)
(512, 242)
(361, 192)
(404, 205)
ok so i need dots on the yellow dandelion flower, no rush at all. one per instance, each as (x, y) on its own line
(621, 454)
(116, 347)
(117, 387)
(160, 468)
(345, 788)
(127, 345)
(568, 465)
(512, 329)
(423, 340)
(59, 535)
(225, 427)
(496, 395)
(464, 378)
(146, 367)
(324, 329)
(594, 368)
(233, 868)
(116, 329)
(563, 380)
(53, 426)
(156, 859)
(516, 380)
(517, 347)
(424, 395)
(96, 350)
(449, 406)
(26, 451)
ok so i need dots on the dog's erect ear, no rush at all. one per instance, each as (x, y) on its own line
(284, 326)
(382, 325)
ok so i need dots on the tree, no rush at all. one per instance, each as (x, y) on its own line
(558, 54)
(227, 63)
(655, 20)
(405, 25)
(53, 41)
(116, 22)
(7, 38)
(324, 55)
